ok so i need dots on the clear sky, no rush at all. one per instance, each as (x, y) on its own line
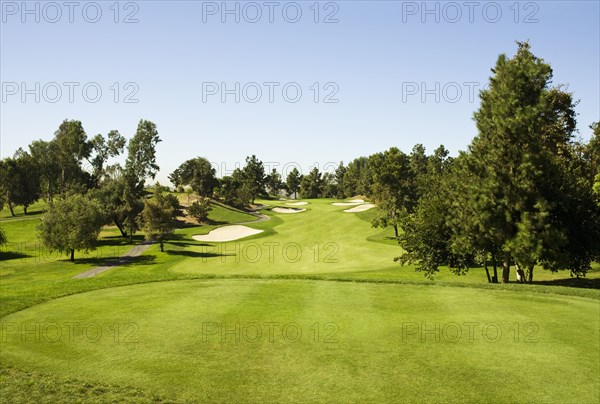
(385, 62)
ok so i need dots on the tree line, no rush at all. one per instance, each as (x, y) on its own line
(526, 192)
(83, 192)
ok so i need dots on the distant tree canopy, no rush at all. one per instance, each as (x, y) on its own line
(311, 185)
(199, 209)
(158, 218)
(72, 223)
(197, 173)
(19, 181)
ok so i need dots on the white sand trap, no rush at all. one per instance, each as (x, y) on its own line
(356, 201)
(346, 203)
(227, 233)
(360, 208)
(297, 203)
(286, 210)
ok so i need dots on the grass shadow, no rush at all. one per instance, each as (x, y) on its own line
(187, 244)
(12, 255)
(585, 283)
(139, 260)
(195, 254)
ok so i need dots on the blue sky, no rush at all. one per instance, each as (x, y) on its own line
(377, 58)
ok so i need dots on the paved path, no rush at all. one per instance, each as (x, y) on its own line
(260, 218)
(123, 259)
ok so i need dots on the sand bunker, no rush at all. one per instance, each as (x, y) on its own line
(227, 233)
(287, 210)
(360, 208)
(297, 203)
(356, 201)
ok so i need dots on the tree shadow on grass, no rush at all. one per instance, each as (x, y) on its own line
(187, 244)
(585, 283)
(115, 261)
(12, 255)
(195, 254)
(140, 260)
(138, 238)
(210, 222)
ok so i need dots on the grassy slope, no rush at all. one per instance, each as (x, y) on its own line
(31, 279)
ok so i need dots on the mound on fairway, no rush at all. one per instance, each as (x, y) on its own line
(297, 203)
(288, 210)
(360, 208)
(227, 233)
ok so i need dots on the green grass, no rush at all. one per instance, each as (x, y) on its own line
(345, 274)
(371, 344)
(223, 214)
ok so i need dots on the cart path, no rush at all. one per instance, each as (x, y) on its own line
(123, 259)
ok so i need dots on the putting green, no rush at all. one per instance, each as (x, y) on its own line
(286, 340)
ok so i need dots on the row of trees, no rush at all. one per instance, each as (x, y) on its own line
(244, 185)
(525, 193)
(83, 192)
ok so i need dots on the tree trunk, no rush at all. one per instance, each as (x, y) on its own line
(123, 233)
(72, 255)
(530, 274)
(12, 212)
(25, 209)
(495, 269)
(506, 268)
(487, 271)
(396, 231)
(161, 246)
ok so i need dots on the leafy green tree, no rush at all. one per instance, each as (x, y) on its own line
(71, 223)
(358, 179)
(427, 239)
(392, 188)
(254, 178)
(329, 188)
(43, 153)
(508, 199)
(71, 146)
(5, 168)
(140, 165)
(274, 182)
(234, 189)
(103, 149)
(199, 209)
(26, 188)
(174, 202)
(158, 218)
(198, 173)
(19, 181)
(311, 185)
(293, 181)
(593, 153)
(340, 172)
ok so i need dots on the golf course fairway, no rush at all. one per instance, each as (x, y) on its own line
(251, 340)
